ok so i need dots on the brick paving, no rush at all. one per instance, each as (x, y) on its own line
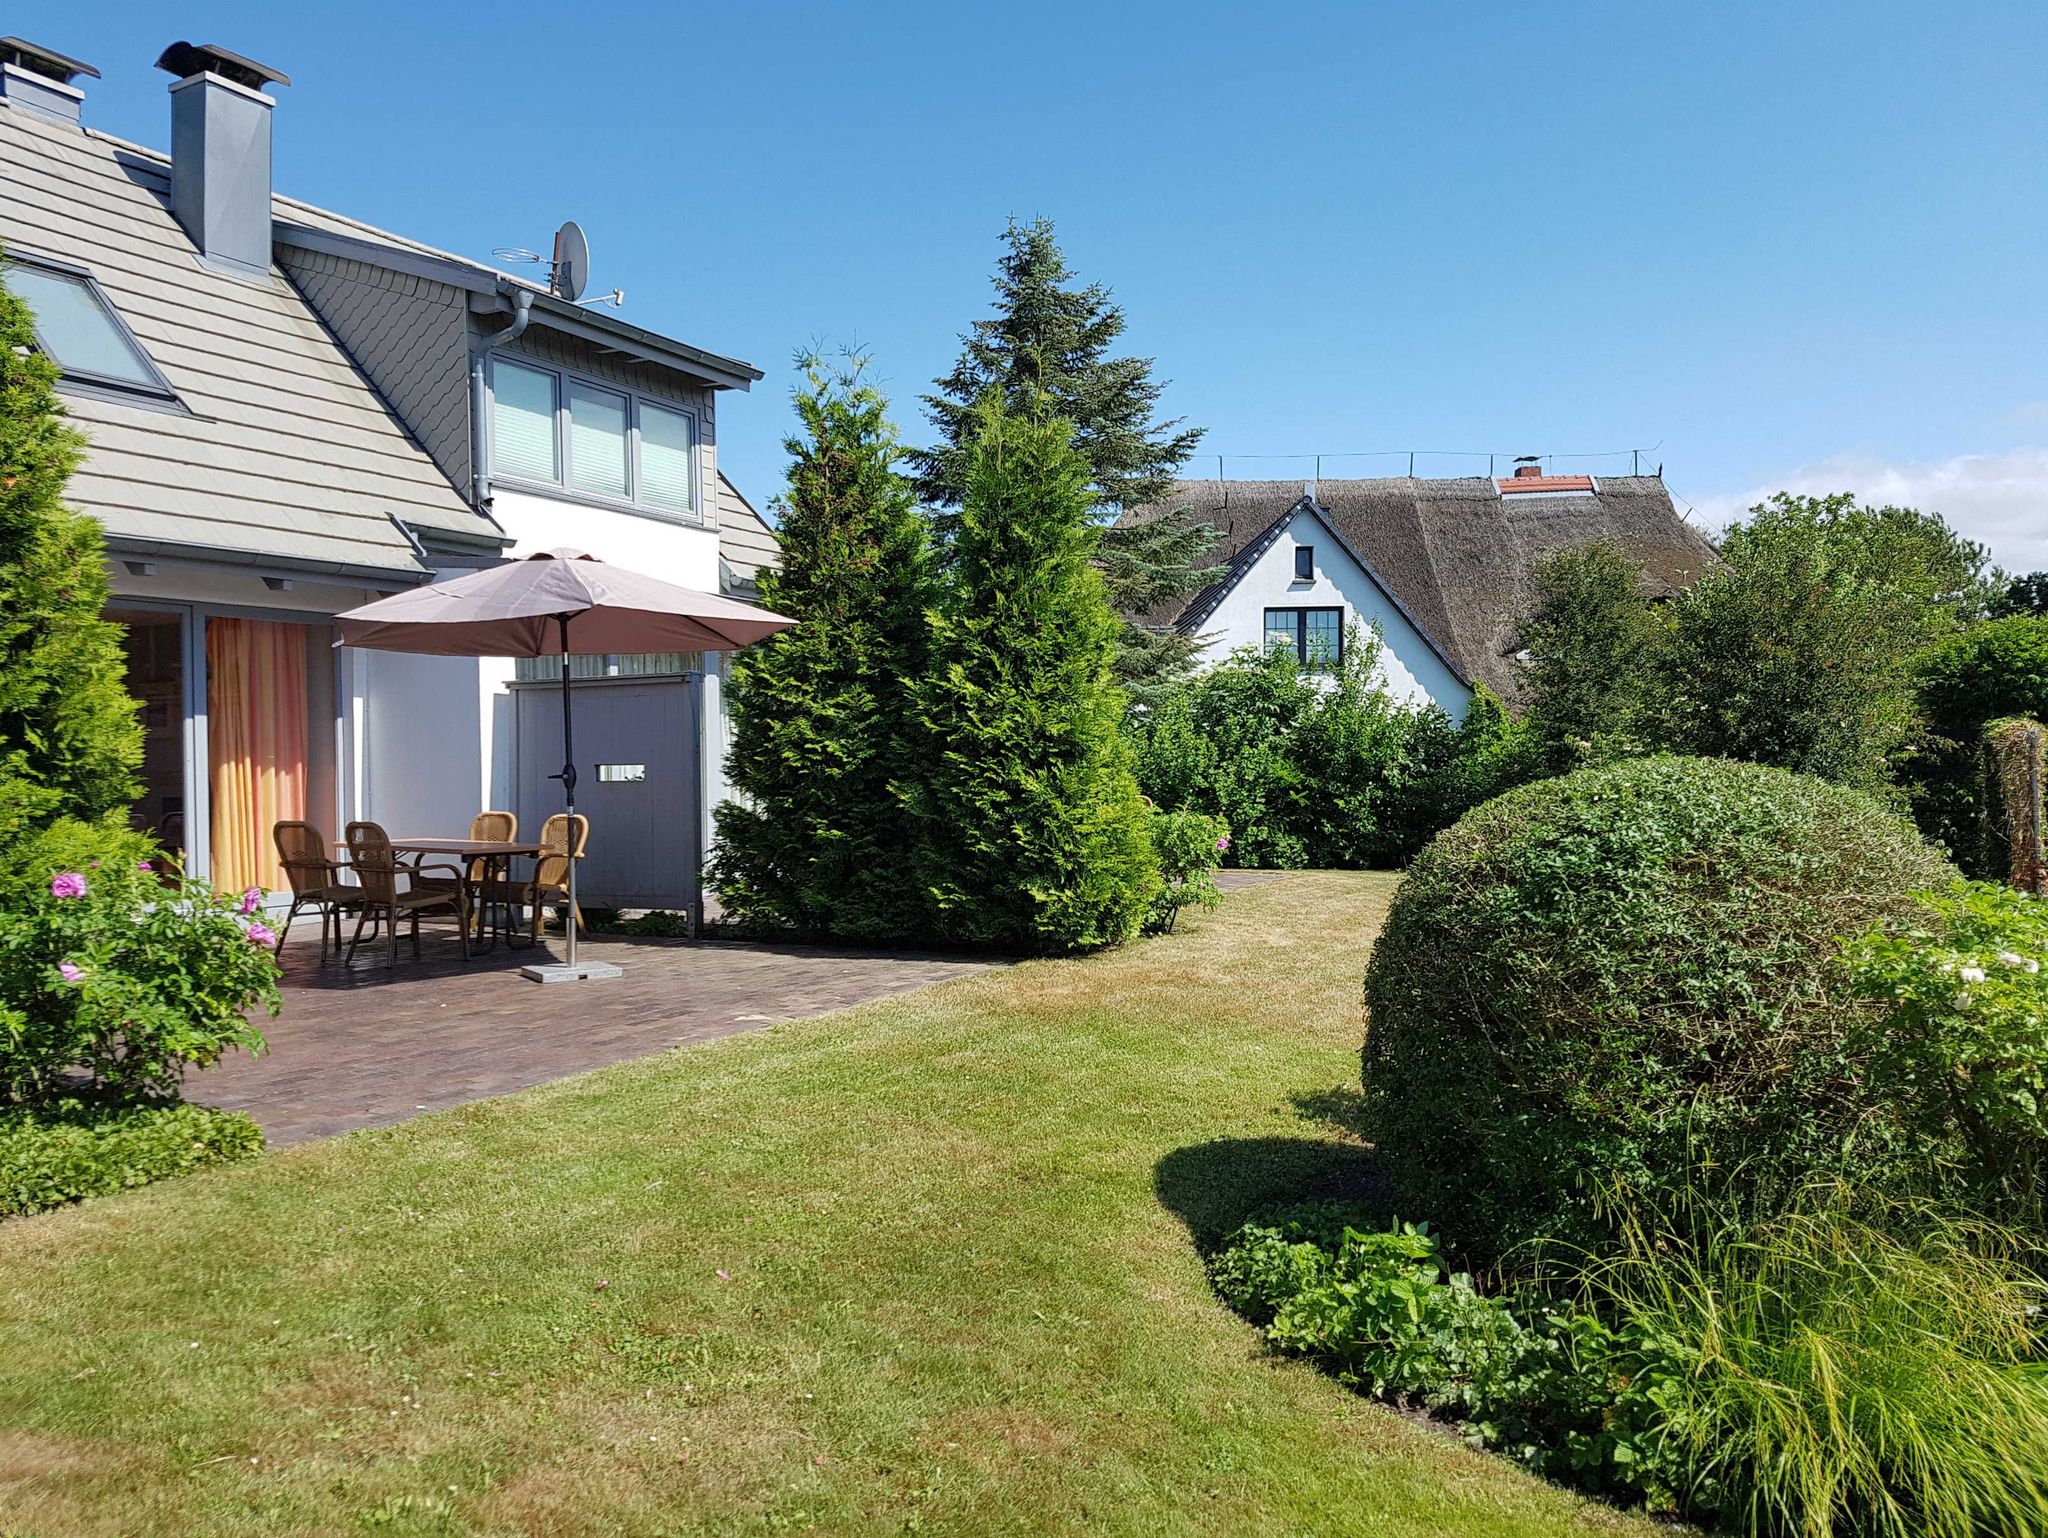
(369, 1046)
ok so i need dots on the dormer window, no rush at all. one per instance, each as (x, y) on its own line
(79, 331)
(599, 442)
(1304, 563)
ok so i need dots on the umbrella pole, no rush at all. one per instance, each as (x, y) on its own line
(569, 780)
(572, 970)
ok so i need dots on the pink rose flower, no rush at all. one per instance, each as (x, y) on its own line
(67, 884)
(71, 973)
(252, 900)
(1223, 843)
(260, 934)
(144, 865)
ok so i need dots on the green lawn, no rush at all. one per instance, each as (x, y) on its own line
(920, 1267)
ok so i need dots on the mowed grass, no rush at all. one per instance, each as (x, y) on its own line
(926, 1266)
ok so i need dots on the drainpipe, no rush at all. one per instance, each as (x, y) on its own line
(479, 430)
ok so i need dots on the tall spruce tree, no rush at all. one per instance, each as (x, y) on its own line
(1050, 340)
(1035, 836)
(69, 740)
(821, 841)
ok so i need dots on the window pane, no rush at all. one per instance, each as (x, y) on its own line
(523, 422)
(597, 440)
(1325, 639)
(667, 452)
(1283, 630)
(1304, 563)
(74, 329)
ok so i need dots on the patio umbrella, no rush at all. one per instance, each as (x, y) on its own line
(557, 602)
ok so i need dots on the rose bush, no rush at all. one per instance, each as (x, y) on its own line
(116, 974)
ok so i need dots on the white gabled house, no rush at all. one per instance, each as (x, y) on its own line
(290, 412)
(1445, 568)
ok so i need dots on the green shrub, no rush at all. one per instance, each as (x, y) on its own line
(1592, 980)
(1960, 1041)
(68, 1151)
(114, 982)
(1188, 846)
(1811, 1374)
(1965, 683)
(1329, 773)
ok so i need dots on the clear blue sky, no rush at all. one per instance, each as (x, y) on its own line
(1791, 244)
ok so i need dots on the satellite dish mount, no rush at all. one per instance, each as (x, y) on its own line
(570, 269)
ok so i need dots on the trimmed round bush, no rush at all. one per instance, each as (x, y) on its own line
(1609, 984)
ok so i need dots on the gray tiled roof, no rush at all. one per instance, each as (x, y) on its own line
(745, 542)
(287, 453)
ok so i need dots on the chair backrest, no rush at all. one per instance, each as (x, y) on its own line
(553, 867)
(370, 857)
(500, 827)
(303, 852)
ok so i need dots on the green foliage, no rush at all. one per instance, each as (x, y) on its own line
(1797, 650)
(113, 980)
(1844, 1375)
(1591, 981)
(1046, 348)
(1965, 682)
(1033, 834)
(1188, 847)
(819, 839)
(69, 740)
(1962, 1040)
(71, 1150)
(1811, 1374)
(1595, 646)
(1325, 774)
(2026, 595)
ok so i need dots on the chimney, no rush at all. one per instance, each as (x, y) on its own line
(1528, 472)
(39, 80)
(220, 154)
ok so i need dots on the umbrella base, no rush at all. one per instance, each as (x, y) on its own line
(563, 972)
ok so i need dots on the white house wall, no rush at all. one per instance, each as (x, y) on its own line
(1410, 667)
(674, 552)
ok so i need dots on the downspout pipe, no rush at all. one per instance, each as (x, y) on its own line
(479, 429)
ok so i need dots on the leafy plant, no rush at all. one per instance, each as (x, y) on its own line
(118, 975)
(817, 838)
(1188, 847)
(68, 1151)
(1032, 833)
(1961, 1042)
(1595, 645)
(1965, 683)
(1598, 979)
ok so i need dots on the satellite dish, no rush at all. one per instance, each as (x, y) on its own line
(571, 269)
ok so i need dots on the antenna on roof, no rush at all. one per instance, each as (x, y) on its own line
(568, 268)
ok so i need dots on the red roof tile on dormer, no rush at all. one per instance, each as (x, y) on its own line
(1546, 483)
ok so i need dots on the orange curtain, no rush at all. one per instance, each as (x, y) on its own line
(256, 736)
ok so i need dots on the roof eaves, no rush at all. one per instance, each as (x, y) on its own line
(1205, 602)
(132, 546)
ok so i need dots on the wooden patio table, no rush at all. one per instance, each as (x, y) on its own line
(497, 854)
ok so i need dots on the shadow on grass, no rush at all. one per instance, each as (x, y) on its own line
(1340, 1107)
(1215, 1187)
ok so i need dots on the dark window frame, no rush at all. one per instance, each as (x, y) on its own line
(107, 386)
(1299, 616)
(1304, 563)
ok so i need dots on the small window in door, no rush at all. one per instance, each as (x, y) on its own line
(621, 774)
(1304, 563)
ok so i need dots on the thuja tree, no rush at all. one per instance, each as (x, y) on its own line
(1595, 648)
(819, 839)
(69, 740)
(1049, 340)
(1035, 834)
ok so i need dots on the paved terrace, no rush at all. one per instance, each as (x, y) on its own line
(369, 1045)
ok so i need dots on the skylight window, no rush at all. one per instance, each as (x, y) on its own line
(77, 330)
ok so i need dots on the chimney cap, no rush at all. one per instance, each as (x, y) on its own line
(188, 59)
(43, 61)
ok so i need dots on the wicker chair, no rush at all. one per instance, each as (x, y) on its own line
(389, 891)
(550, 870)
(499, 828)
(315, 879)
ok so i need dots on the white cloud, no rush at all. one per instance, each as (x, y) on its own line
(1999, 499)
(2033, 414)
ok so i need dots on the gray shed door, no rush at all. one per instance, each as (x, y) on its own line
(636, 780)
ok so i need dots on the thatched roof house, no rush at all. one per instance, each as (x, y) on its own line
(1454, 557)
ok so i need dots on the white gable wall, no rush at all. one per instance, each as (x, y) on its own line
(1410, 666)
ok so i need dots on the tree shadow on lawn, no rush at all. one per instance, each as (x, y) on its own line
(1216, 1187)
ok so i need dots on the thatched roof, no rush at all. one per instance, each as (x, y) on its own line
(1459, 554)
